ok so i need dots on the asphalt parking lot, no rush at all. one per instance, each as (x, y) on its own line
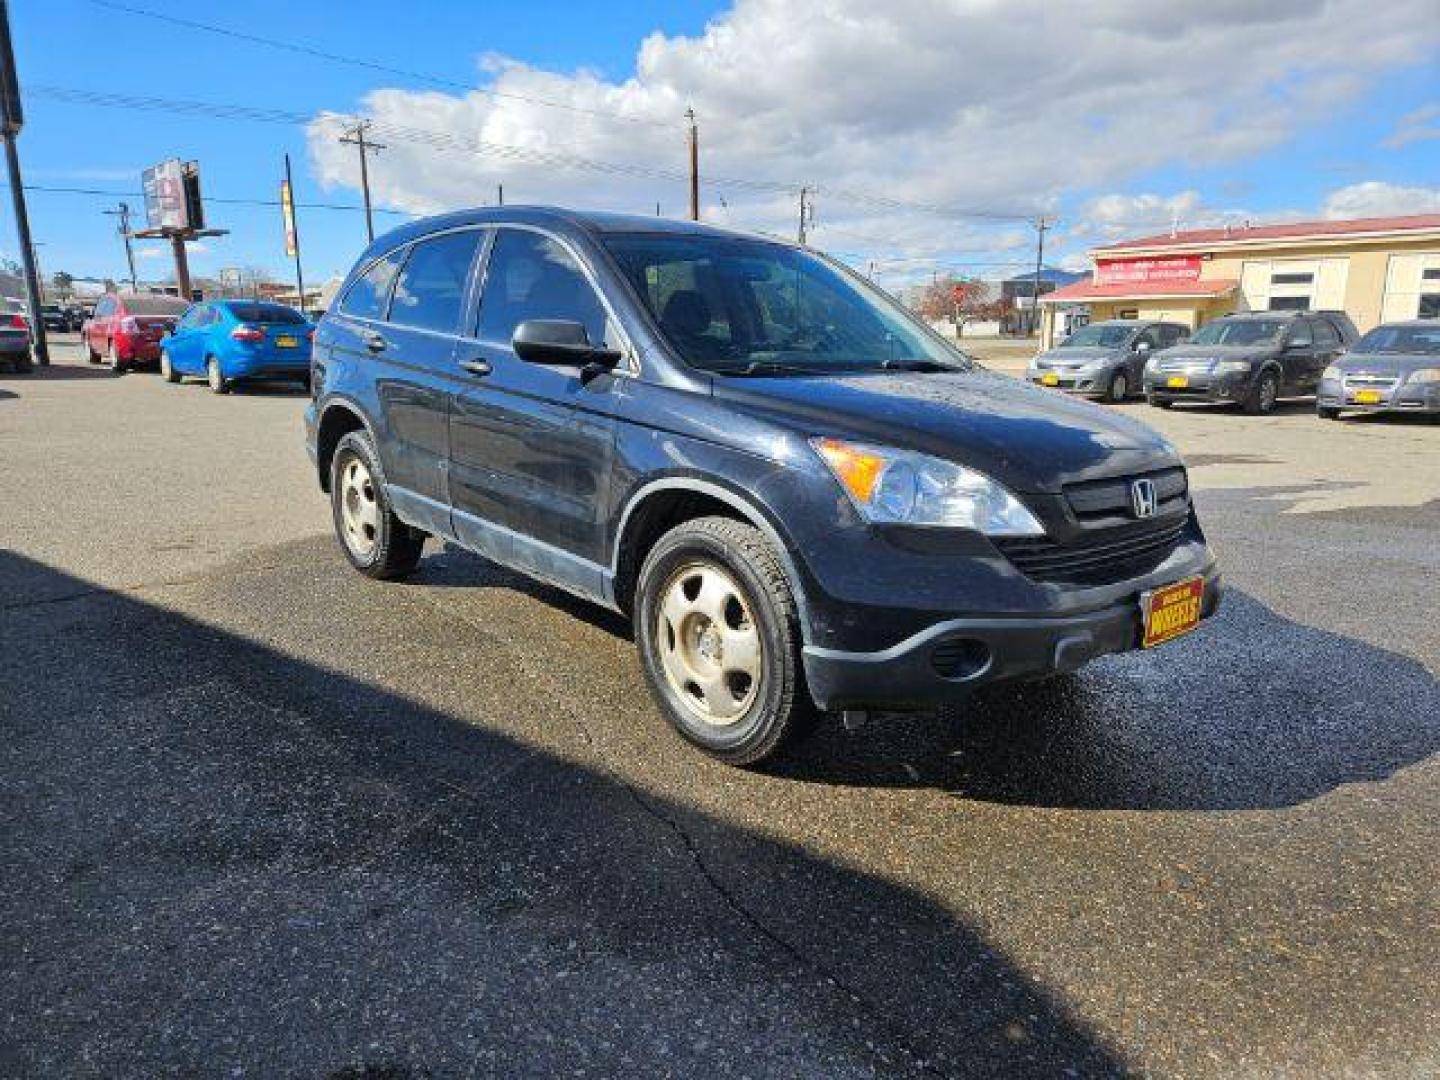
(265, 817)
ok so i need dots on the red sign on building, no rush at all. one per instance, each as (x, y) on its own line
(1156, 268)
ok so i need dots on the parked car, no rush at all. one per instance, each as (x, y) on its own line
(56, 318)
(1105, 359)
(1254, 359)
(127, 327)
(14, 337)
(1393, 368)
(800, 495)
(230, 341)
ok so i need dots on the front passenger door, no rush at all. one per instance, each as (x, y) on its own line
(1298, 357)
(530, 444)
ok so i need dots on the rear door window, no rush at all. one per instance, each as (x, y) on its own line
(430, 291)
(368, 297)
(1326, 336)
(1300, 333)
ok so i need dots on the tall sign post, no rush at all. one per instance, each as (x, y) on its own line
(12, 119)
(174, 211)
(292, 234)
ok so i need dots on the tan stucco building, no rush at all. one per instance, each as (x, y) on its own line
(1376, 269)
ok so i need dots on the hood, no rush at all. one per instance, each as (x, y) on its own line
(1076, 355)
(1190, 351)
(1387, 363)
(1027, 438)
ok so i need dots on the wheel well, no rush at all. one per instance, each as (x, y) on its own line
(335, 424)
(656, 515)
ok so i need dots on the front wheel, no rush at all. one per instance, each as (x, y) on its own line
(1263, 395)
(719, 638)
(376, 542)
(167, 369)
(1157, 402)
(1326, 412)
(1119, 387)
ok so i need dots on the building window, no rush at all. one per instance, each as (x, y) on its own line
(1430, 273)
(1292, 279)
(1289, 303)
(1429, 306)
(1128, 313)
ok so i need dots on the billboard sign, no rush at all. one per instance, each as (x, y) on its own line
(165, 205)
(1140, 271)
(287, 214)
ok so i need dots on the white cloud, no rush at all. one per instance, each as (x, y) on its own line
(966, 103)
(1418, 126)
(1375, 198)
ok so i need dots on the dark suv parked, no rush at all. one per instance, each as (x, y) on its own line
(1254, 359)
(797, 492)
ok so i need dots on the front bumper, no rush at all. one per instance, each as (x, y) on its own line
(1405, 397)
(1072, 382)
(948, 660)
(1204, 386)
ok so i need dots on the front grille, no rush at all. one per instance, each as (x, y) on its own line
(1100, 503)
(1128, 553)
(1371, 382)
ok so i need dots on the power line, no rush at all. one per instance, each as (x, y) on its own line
(108, 194)
(370, 65)
(449, 141)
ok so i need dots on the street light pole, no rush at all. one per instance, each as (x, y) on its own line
(12, 119)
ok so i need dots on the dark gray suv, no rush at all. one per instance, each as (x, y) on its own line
(799, 494)
(1105, 359)
(1253, 359)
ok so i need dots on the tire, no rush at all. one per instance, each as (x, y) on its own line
(1264, 395)
(22, 365)
(167, 369)
(1157, 403)
(1119, 388)
(215, 378)
(1325, 412)
(119, 366)
(91, 356)
(376, 542)
(710, 584)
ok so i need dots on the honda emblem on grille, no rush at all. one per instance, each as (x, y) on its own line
(1142, 498)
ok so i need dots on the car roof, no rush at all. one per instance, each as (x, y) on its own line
(594, 222)
(1419, 324)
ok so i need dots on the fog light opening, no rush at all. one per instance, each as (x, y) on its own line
(959, 658)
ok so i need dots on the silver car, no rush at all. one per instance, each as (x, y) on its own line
(1104, 359)
(14, 336)
(1393, 368)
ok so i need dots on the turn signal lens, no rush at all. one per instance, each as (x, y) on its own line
(858, 470)
(1331, 373)
(1425, 375)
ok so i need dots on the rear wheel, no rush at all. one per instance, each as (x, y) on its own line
(215, 378)
(1157, 402)
(376, 542)
(91, 356)
(1263, 395)
(719, 639)
(167, 369)
(119, 366)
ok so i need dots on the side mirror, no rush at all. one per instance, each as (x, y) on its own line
(563, 342)
(1142, 346)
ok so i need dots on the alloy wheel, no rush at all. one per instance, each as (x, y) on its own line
(359, 510)
(708, 643)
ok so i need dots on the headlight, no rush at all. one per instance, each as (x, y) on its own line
(1152, 365)
(890, 486)
(1331, 373)
(1424, 375)
(1231, 367)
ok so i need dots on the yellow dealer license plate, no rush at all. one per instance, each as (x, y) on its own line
(1178, 381)
(1368, 397)
(285, 341)
(1171, 611)
(1050, 379)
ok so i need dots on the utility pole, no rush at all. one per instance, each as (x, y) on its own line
(355, 136)
(12, 119)
(694, 166)
(807, 213)
(499, 194)
(123, 228)
(1041, 224)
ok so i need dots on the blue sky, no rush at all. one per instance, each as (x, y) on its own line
(925, 109)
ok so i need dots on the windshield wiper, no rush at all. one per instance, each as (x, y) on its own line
(927, 366)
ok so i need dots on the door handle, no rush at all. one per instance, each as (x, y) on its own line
(477, 367)
(374, 341)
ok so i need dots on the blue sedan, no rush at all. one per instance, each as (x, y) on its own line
(229, 341)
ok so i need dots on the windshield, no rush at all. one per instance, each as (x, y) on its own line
(747, 307)
(154, 305)
(1238, 332)
(1400, 339)
(1109, 337)
(267, 313)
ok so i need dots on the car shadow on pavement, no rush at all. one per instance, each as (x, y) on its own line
(59, 371)
(221, 858)
(1251, 711)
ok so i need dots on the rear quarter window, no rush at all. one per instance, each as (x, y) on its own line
(369, 295)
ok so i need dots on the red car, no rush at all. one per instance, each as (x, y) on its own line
(127, 327)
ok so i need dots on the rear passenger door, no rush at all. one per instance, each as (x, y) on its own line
(530, 444)
(1298, 356)
(1328, 346)
(413, 352)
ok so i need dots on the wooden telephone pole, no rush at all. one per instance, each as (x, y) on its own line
(355, 136)
(694, 166)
